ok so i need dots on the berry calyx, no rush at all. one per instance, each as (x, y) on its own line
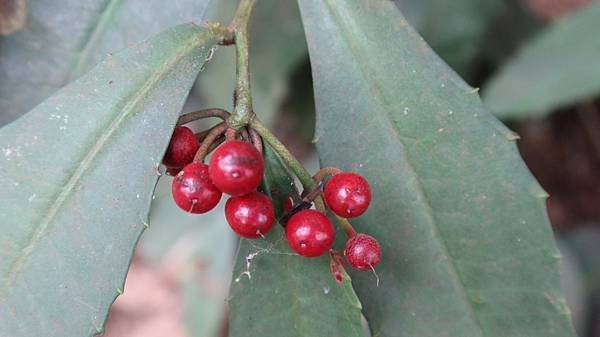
(347, 194)
(193, 191)
(251, 215)
(310, 233)
(363, 252)
(236, 168)
(181, 150)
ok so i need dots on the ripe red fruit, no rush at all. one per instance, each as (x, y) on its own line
(363, 252)
(236, 167)
(310, 233)
(173, 171)
(182, 149)
(251, 215)
(193, 191)
(348, 194)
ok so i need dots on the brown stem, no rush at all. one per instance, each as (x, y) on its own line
(216, 143)
(200, 114)
(312, 195)
(325, 172)
(350, 231)
(256, 140)
(201, 135)
(210, 138)
(230, 134)
(245, 135)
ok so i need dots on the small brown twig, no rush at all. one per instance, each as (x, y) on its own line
(245, 135)
(201, 114)
(346, 226)
(325, 172)
(310, 196)
(208, 141)
(230, 134)
(256, 140)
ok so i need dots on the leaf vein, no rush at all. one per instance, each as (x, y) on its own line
(379, 98)
(133, 100)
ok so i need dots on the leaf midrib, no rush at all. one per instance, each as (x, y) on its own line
(132, 100)
(380, 100)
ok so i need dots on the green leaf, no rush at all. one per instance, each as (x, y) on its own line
(467, 248)
(202, 248)
(78, 174)
(454, 29)
(278, 293)
(64, 39)
(557, 68)
(277, 45)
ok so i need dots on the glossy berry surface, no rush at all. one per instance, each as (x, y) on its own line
(193, 190)
(310, 233)
(236, 167)
(363, 252)
(250, 215)
(347, 194)
(182, 149)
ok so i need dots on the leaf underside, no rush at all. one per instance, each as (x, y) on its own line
(78, 174)
(557, 68)
(275, 292)
(467, 248)
(64, 39)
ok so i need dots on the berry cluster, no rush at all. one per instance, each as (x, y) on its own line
(236, 168)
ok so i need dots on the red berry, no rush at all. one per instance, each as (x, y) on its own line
(251, 215)
(182, 149)
(310, 233)
(348, 194)
(236, 167)
(363, 252)
(193, 191)
(173, 171)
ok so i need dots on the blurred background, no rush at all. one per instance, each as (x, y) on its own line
(536, 62)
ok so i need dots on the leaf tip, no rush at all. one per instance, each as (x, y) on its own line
(538, 192)
(512, 136)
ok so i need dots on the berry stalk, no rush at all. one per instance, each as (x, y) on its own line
(210, 138)
(290, 161)
(201, 114)
(346, 226)
(325, 172)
